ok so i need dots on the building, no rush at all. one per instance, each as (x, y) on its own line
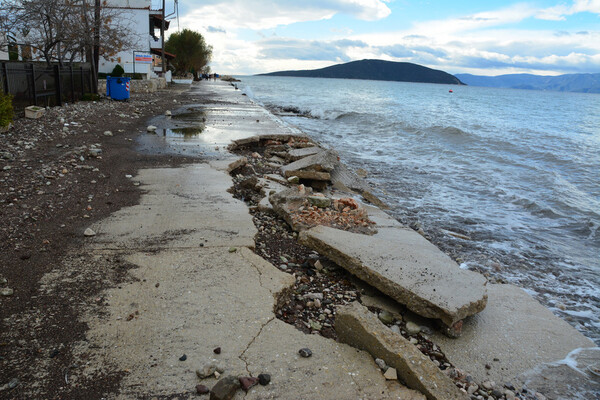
(145, 53)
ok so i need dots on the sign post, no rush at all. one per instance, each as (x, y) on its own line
(144, 58)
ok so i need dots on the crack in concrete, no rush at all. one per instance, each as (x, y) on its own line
(241, 356)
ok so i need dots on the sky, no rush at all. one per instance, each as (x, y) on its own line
(488, 37)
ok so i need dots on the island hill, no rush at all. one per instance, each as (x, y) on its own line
(378, 70)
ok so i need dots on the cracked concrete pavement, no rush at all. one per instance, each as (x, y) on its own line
(192, 292)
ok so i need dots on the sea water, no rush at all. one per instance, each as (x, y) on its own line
(505, 181)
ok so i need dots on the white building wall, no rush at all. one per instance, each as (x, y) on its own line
(138, 21)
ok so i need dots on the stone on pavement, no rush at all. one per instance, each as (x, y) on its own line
(514, 334)
(225, 388)
(409, 269)
(355, 325)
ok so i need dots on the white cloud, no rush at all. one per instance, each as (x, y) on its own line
(267, 14)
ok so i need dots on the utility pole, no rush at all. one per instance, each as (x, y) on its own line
(96, 51)
(162, 39)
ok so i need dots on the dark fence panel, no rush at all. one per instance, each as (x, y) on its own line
(43, 85)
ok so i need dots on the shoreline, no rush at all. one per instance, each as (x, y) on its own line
(128, 259)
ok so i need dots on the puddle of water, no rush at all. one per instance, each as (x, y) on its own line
(189, 132)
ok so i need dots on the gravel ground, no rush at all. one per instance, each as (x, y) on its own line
(58, 174)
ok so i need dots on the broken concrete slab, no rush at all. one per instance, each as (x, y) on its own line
(297, 154)
(355, 325)
(323, 162)
(514, 334)
(268, 187)
(409, 269)
(285, 203)
(309, 175)
(345, 180)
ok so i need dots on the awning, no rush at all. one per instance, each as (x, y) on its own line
(158, 52)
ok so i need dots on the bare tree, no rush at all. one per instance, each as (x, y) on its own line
(67, 30)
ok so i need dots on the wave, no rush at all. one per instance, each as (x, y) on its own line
(449, 131)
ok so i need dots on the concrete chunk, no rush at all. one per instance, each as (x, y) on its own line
(297, 154)
(355, 325)
(409, 269)
(314, 175)
(324, 161)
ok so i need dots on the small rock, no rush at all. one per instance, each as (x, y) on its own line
(225, 388)
(183, 358)
(381, 364)
(168, 113)
(293, 179)
(232, 249)
(217, 350)
(497, 393)
(305, 352)
(318, 266)
(247, 382)
(472, 388)
(108, 133)
(391, 374)
(151, 128)
(201, 389)
(510, 395)
(386, 317)
(488, 385)
(395, 329)
(264, 379)
(206, 371)
(89, 232)
(6, 292)
(412, 328)
(13, 383)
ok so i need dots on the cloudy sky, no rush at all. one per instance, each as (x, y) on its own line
(489, 37)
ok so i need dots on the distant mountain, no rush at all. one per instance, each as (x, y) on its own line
(378, 70)
(584, 83)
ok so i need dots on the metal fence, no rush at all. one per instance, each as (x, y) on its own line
(43, 85)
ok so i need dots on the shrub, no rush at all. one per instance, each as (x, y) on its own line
(117, 71)
(6, 110)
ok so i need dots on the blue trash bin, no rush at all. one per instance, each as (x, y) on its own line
(117, 88)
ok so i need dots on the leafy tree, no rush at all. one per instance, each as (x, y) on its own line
(192, 52)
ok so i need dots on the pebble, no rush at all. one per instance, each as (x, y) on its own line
(108, 133)
(201, 389)
(232, 249)
(183, 358)
(472, 389)
(412, 328)
(293, 179)
(6, 292)
(13, 383)
(391, 374)
(497, 393)
(207, 370)
(381, 364)
(247, 382)
(305, 352)
(386, 317)
(264, 379)
(168, 113)
(395, 329)
(510, 395)
(225, 388)
(89, 232)
(488, 385)
(217, 350)
(151, 128)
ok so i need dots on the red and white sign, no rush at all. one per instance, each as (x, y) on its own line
(127, 86)
(143, 58)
